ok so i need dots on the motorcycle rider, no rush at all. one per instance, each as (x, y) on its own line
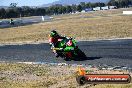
(11, 22)
(54, 36)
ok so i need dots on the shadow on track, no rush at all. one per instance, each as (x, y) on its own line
(87, 58)
(93, 58)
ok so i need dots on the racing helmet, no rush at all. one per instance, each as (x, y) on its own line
(53, 33)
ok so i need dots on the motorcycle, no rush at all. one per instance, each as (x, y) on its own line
(67, 48)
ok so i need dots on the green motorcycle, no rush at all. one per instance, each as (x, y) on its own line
(67, 49)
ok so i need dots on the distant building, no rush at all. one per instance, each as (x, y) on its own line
(77, 12)
(105, 8)
(46, 18)
(83, 11)
(130, 5)
(88, 9)
(97, 8)
(112, 7)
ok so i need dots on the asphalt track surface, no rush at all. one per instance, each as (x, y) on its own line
(109, 52)
(25, 21)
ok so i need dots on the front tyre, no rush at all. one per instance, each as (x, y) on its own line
(81, 80)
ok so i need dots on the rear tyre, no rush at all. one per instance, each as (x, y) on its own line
(80, 55)
(67, 59)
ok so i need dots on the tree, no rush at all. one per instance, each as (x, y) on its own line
(11, 13)
(48, 11)
(93, 5)
(2, 13)
(99, 4)
(26, 11)
(63, 9)
(120, 3)
(83, 5)
(89, 5)
(74, 8)
(79, 8)
(102, 4)
(68, 9)
(13, 4)
(39, 11)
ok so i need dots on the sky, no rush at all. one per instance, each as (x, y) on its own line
(25, 2)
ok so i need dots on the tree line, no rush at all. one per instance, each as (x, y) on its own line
(120, 3)
(13, 11)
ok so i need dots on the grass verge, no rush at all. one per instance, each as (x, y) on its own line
(83, 26)
(16, 75)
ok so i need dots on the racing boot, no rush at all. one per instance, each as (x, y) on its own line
(56, 54)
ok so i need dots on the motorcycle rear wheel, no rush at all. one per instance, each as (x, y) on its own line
(80, 55)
